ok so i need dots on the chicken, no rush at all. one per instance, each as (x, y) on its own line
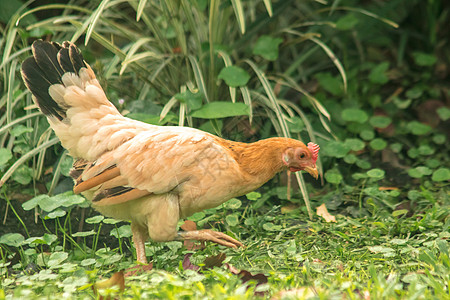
(147, 174)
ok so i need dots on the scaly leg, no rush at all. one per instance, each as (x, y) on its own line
(209, 235)
(140, 235)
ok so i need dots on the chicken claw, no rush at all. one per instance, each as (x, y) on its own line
(210, 235)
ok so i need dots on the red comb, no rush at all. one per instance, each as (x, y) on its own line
(314, 148)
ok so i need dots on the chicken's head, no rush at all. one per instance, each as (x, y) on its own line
(302, 158)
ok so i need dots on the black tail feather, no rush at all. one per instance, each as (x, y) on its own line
(46, 67)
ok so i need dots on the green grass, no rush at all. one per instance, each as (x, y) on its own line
(384, 255)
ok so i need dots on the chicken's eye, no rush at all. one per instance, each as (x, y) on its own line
(302, 155)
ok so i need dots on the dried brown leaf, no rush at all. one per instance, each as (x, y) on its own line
(322, 211)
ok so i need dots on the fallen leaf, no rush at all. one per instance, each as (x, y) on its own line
(189, 225)
(214, 261)
(322, 211)
(187, 264)
(247, 276)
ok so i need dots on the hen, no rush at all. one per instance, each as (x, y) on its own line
(149, 175)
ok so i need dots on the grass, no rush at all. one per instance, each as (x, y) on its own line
(383, 255)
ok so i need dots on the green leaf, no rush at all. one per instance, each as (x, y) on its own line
(95, 219)
(5, 156)
(217, 110)
(418, 128)
(367, 135)
(20, 129)
(233, 203)
(335, 149)
(354, 115)
(355, 144)
(66, 165)
(12, 239)
(122, 231)
(271, 227)
(56, 214)
(363, 164)
(33, 202)
(197, 216)
(253, 196)
(56, 258)
(347, 22)
(267, 47)
(234, 76)
(111, 221)
(425, 150)
(439, 139)
(444, 113)
(333, 176)
(193, 101)
(399, 212)
(424, 59)
(23, 175)
(330, 83)
(380, 121)
(402, 104)
(88, 261)
(419, 172)
(441, 174)
(378, 74)
(378, 144)
(49, 238)
(49, 204)
(350, 158)
(295, 125)
(232, 220)
(84, 233)
(414, 92)
(376, 173)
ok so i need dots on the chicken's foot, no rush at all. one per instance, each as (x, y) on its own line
(209, 235)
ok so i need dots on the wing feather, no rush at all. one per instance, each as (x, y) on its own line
(151, 162)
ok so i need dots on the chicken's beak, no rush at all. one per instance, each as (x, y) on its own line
(312, 171)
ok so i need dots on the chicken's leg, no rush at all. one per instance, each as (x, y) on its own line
(140, 235)
(209, 235)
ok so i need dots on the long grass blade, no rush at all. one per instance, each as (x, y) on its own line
(268, 4)
(239, 12)
(93, 20)
(198, 76)
(140, 9)
(247, 100)
(11, 88)
(362, 11)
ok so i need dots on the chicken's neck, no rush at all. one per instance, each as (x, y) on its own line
(260, 160)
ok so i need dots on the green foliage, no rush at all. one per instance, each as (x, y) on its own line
(215, 110)
(267, 47)
(234, 76)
